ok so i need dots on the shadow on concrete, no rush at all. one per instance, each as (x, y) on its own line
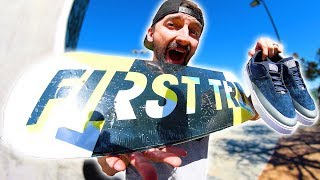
(296, 156)
(251, 150)
(243, 153)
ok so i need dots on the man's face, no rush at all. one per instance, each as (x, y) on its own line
(175, 38)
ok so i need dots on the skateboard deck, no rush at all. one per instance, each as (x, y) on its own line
(95, 105)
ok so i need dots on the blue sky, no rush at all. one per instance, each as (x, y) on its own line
(231, 28)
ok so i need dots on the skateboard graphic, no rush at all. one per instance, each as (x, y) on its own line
(114, 105)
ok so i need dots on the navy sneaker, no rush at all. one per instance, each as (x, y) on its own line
(269, 95)
(305, 106)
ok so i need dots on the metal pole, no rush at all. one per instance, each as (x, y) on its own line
(271, 19)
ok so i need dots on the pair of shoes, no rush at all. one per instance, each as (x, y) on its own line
(279, 93)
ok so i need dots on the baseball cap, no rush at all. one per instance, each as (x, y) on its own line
(171, 7)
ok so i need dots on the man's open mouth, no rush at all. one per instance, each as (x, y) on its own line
(176, 56)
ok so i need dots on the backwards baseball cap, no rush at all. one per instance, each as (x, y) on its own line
(171, 7)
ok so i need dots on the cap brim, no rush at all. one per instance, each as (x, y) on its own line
(148, 44)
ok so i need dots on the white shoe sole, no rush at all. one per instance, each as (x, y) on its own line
(305, 120)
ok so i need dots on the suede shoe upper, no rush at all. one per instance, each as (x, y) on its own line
(295, 84)
(268, 84)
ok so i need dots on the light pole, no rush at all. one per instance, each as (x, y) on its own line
(255, 3)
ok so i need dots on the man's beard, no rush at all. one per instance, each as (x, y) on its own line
(160, 52)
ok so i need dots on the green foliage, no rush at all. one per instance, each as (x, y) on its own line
(311, 68)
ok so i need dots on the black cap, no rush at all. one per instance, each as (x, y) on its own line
(171, 7)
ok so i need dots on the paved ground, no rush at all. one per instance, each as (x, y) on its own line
(15, 167)
(241, 153)
(296, 156)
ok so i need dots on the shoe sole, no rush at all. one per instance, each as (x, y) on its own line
(305, 120)
(263, 113)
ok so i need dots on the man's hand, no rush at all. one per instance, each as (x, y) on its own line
(142, 161)
(268, 47)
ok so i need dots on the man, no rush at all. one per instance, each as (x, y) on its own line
(174, 37)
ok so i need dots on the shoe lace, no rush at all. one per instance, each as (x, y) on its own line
(278, 82)
(297, 77)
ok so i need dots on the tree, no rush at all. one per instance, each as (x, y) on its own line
(311, 68)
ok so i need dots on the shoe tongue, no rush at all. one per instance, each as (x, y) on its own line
(289, 62)
(292, 64)
(273, 67)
